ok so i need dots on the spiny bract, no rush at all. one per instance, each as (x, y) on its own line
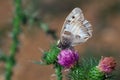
(51, 56)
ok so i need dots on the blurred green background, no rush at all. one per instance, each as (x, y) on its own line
(41, 25)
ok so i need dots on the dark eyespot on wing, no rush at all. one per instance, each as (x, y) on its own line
(67, 33)
(68, 21)
(77, 36)
(73, 17)
(85, 37)
(89, 34)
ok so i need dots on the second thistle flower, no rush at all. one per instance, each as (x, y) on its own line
(67, 58)
(107, 64)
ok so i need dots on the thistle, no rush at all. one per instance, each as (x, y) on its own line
(75, 31)
(67, 58)
(81, 69)
(107, 64)
(104, 68)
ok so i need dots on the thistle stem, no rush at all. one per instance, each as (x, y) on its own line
(15, 34)
(58, 72)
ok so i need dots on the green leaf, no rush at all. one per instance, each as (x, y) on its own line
(81, 70)
(51, 56)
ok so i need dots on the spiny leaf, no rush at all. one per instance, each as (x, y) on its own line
(80, 71)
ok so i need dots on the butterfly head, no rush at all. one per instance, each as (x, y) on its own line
(65, 41)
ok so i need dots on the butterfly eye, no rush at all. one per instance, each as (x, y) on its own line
(73, 17)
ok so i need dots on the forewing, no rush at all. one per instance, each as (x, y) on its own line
(75, 15)
(75, 29)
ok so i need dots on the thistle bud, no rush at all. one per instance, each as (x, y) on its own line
(51, 56)
(107, 64)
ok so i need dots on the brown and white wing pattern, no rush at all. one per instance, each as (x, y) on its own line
(76, 29)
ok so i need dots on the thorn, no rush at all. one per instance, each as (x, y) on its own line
(37, 62)
(53, 75)
(51, 67)
(41, 50)
(58, 42)
(41, 61)
(51, 42)
(10, 34)
(102, 57)
(66, 70)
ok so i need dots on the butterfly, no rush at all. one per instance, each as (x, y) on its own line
(75, 30)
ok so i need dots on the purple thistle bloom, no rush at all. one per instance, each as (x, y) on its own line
(68, 58)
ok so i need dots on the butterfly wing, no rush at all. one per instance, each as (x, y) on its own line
(75, 29)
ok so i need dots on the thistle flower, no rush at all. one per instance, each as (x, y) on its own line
(107, 64)
(67, 58)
